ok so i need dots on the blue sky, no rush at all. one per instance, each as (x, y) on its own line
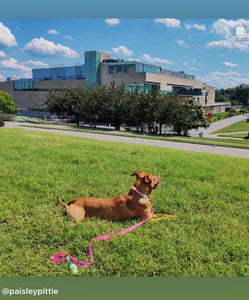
(207, 48)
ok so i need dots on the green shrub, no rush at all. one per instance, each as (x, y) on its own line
(243, 110)
(233, 112)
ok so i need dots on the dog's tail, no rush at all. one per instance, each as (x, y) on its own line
(61, 203)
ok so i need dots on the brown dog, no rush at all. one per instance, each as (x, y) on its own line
(134, 204)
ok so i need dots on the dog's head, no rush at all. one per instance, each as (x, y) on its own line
(147, 179)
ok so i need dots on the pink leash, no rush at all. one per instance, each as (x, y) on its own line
(58, 258)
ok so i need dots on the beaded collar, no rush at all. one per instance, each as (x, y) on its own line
(139, 193)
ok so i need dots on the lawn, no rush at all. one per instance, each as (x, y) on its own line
(208, 193)
(236, 127)
(243, 136)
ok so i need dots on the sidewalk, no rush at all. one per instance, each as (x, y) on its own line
(217, 125)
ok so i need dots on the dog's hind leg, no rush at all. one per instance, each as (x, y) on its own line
(75, 212)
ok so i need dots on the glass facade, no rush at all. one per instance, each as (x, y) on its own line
(54, 73)
(132, 67)
(142, 88)
(24, 85)
(122, 68)
(92, 67)
(140, 67)
(186, 91)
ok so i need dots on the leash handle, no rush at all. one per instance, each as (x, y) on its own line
(61, 257)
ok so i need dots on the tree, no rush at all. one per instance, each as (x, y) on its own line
(69, 102)
(220, 96)
(166, 109)
(6, 103)
(112, 105)
(75, 100)
(139, 106)
(242, 94)
(188, 114)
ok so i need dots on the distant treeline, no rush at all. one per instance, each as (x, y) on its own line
(237, 96)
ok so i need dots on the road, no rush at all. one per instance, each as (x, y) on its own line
(233, 152)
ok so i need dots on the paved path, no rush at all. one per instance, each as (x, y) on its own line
(234, 152)
(218, 125)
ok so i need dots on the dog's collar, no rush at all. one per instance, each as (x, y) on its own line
(139, 193)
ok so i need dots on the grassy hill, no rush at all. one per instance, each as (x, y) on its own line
(208, 193)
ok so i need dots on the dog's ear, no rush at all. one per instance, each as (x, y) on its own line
(142, 175)
(147, 179)
(135, 173)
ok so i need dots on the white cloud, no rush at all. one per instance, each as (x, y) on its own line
(229, 64)
(33, 63)
(233, 42)
(122, 50)
(225, 79)
(7, 39)
(24, 68)
(181, 43)
(43, 47)
(2, 54)
(112, 21)
(2, 78)
(53, 31)
(12, 63)
(134, 59)
(226, 29)
(153, 60)
(68, 37)
(195, 26)
(169, 22)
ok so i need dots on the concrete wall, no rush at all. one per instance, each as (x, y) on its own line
(120, 78)
(35, 99)
(167, 81)
(104, 56)
(217, 107)
(57, 84)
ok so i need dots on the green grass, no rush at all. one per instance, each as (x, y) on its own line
(236, 127)
(236, 135)
(208, 193)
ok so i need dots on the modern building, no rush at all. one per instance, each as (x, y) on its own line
(101, 69)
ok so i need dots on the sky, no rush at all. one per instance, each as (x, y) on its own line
(215, 50)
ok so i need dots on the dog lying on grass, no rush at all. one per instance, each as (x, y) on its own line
(134, 204)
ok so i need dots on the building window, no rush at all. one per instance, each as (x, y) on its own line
(112, 69)
(122, 68)
(119, 68)
(129, 68)
(24, 85)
